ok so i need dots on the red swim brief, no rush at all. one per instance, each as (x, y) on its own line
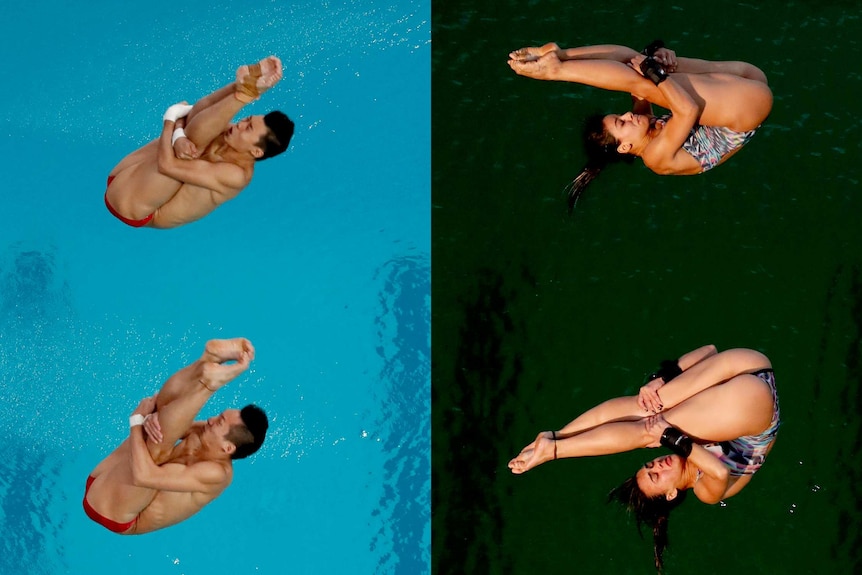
(133, 223)
(108, 524)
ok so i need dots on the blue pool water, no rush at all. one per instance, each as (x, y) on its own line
(323, 262)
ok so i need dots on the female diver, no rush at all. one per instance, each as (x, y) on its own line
(715, 107)
(717, 412)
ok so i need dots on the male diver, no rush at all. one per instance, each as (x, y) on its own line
(149, 483)
(200, 160)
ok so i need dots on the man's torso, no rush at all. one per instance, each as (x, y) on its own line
(117, 498)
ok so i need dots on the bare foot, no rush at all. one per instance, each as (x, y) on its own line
(222, 350)
(536, 453)
(532, 53)
(256, 79)
(532, 444)
(542, 68)
(214, 376)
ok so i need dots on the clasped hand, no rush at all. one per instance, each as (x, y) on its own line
(147, 408)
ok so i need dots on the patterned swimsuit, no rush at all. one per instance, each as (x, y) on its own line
(708, 144)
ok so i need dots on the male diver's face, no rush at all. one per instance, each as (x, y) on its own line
(217, 427)
(660, 476)
(627, 128)
(245, 134)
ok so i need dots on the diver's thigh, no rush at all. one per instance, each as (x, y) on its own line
(740, 406)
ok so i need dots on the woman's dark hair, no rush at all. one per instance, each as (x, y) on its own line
(654, 511)
(601, 150)
(248, 436)
(277, 136)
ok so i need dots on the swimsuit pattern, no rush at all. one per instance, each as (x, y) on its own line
(708, 144)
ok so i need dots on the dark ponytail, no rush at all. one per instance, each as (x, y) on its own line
(654, 511)
(580, 183)
(601, 150)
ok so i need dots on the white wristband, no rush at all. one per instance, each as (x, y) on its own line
(136, 419)
(176, 112)
(178, 133)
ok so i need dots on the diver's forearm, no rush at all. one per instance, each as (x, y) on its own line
(142, 462)
(708, 463)
(165, 157)
(679, 101)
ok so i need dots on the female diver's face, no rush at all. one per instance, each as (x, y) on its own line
(627, 129)
(660, 476)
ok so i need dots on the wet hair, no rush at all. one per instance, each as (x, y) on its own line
(249, 435)
(654, 511)
(278, 134)
(601, 148)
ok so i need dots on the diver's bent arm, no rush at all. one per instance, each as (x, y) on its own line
(143, 465)
(200, 477)
(679, 102)
(713, 484)
(642, 106)
(165, 151)
(665, 154)
(223, 178)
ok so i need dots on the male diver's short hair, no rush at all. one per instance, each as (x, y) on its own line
(279, 132)
(249, 435)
